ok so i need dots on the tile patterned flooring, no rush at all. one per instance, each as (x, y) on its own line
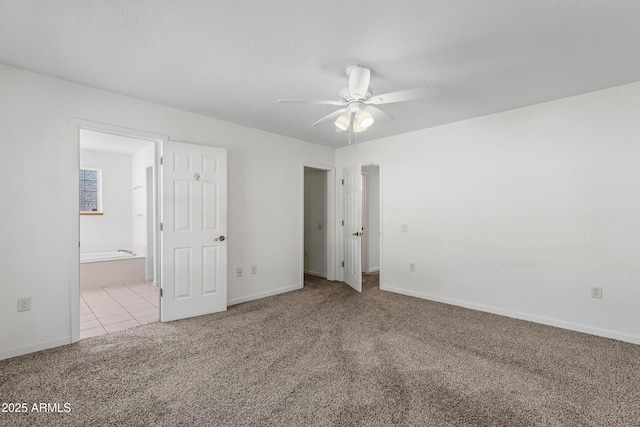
(115, 308)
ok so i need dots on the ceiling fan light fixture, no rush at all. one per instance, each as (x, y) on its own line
(343, 121)
(364, 119)
(357, 128)
(359, 105)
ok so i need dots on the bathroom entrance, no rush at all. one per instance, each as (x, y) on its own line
(117, 232)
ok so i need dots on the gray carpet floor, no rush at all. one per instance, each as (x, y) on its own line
(325, 355)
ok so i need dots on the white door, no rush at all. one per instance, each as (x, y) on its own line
(352, 226)
(194, 226)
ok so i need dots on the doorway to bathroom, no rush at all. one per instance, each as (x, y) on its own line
(315, 222)
(317, 246)
(117, 207)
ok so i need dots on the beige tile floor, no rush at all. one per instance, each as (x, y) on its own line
(115, 308)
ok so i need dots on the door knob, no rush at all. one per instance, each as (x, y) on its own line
(220, 239)
(358, 234)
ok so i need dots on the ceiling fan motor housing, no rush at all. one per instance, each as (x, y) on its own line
(355, 106)
(348, 97)
(359, 78)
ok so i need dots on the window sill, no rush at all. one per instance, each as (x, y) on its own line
(90, 213)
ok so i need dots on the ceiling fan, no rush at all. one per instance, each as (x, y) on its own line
(358, 102)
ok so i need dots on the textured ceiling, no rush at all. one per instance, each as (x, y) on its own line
(233, 59)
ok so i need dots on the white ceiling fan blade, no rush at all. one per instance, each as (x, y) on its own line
(331, 117)
(403, 95)
(312, 101)
(359, 77)
(379, 116)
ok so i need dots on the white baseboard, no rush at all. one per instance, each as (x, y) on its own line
(314, 273)
(373, 269)
(32, 348)
(262, 295)
(606, 333)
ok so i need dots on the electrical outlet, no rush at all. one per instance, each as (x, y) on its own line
(239, 272)
(254, 269)
(596, 292)
(404, 228)
(24, 304)
(412, 267)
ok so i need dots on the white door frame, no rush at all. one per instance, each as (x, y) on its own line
(364, 250)
(331, 219)
(75, 125)
(151, 187)
(378, 163)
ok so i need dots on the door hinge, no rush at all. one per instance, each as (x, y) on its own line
(161, 227)
(343, 182)
(343, 263)
(160, 292)
(161, 159)
(343, 222)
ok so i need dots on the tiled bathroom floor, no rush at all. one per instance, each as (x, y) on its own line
(115, 308)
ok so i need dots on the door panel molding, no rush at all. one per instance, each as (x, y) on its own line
(194, 216)
(352, 230)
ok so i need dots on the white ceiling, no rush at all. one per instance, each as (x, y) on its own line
(98, 141)
(233, 59)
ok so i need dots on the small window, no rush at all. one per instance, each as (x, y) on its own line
(90, 192)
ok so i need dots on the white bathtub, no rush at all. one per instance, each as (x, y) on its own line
(99, 269)
(106, 256)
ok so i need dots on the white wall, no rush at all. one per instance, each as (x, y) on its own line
(373, 217)
(315, 221)
(38, 227)
(520, 212)
(112, 230)
(140, 160)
